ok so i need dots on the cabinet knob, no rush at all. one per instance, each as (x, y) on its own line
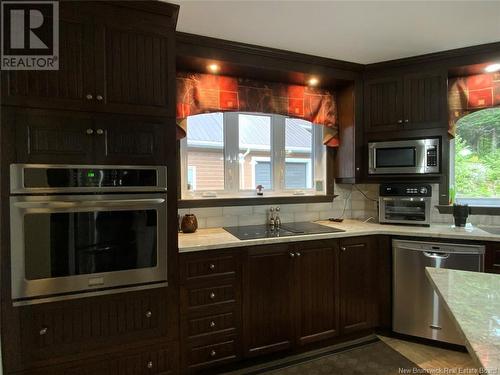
(100, 131)
(148, 314)
(212, 324)
(298, 254)
(400, 121)
(211, 267)
(292, 255)
(407, 121)
(213, 353)
(357, 169)
(99, 97)
(149, 364)
(43, 331)
(343, 248)
(89, 131)
(212, 295)
(89, 97)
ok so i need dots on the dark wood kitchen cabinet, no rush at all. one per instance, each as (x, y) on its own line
(268, 290)
(404, 102)
(81, 138)
(114, 57)
(492, 257)
(161, 359)
(290, 296)
(358, 264)
(317, 293)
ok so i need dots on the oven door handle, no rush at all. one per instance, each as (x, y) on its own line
(90, 204)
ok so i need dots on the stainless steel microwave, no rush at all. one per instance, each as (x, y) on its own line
(418, 156)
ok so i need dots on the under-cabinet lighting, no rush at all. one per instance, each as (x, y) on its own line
(214, 68)
(313, 81)
(492, 68)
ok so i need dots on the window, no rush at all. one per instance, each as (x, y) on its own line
(230, 154)
(475, 159)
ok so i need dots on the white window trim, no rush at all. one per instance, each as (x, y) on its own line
(316, 166)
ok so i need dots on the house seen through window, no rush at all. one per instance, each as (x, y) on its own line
(475, 159)
(232, 153)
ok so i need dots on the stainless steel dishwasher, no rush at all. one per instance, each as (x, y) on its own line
(417, 309)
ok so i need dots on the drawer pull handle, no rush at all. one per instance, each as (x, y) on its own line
(211, 267)
(298, 254)
(100, 132)
(212, 324)
(89, 97)
(149, 314)
(213, 353)
(43, 331)
(99, 97)
(292, 255)
(89, 131)
(212, 295)
(150, 364)
(343, 248)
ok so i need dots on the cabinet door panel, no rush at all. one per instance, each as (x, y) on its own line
(358, 287)
(136, 71)
(425, 100)
(384, 104)
(267, 302)
(49, 137)
(64, 88)
(130, 140)
(318, 293)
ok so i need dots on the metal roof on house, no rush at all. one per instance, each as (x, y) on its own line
(207, 129)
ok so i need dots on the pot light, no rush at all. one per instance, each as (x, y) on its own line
(313, 81)
(493, 68)
(214, 68)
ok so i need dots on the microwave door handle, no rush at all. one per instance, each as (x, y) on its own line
(89, 204)
(374, 158)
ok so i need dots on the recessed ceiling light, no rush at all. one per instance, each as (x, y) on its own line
(492, 68)
(214, 68)
(313, 81)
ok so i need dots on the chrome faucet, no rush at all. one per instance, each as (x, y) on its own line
(277, 220)
(271, 221)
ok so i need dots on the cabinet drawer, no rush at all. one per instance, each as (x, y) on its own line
(206, 355)
(157, 360)
(211, 296)
(208, 267)
(62, 328)
(213, 324)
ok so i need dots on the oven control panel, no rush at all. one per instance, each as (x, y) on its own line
(405, 190)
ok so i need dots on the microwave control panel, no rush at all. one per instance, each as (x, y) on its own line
(432, 156)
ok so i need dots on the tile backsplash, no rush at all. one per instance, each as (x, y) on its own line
(357, 206)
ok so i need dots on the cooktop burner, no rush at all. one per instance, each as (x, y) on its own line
(251, 232)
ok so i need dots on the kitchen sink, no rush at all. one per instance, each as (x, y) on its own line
(492, 230)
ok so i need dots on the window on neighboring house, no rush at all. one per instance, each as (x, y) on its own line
(229, 154)
(475, 159)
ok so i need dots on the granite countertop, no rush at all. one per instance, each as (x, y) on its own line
(473, 299)
(218, 238)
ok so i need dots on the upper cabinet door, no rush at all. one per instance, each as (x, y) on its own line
(66, 88)
(53, 137)
(317, 289)
(384, 104)
(130, 140)
(136, 59)
(425, 100)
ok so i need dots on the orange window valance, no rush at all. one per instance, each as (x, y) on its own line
(471, 93)
(203, 93)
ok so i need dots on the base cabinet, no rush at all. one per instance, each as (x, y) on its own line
(154, 360)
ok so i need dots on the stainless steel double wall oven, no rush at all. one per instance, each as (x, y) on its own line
(86, 229)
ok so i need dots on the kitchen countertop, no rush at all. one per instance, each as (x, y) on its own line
(473, 299)
(218, 238)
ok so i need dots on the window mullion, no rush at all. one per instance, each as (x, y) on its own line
(278, 148)
(231, 152)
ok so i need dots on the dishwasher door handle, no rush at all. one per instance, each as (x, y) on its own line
(436, 255)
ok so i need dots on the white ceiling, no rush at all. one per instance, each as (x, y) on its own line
(358, 31)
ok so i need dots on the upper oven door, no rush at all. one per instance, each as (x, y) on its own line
(62, 244)
(397, 157)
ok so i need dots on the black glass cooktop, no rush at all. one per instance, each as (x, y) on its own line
(252, 232)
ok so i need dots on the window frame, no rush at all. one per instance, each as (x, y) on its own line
(318, 164)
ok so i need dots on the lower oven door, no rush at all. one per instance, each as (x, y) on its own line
(401, 210)
(82, 243)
